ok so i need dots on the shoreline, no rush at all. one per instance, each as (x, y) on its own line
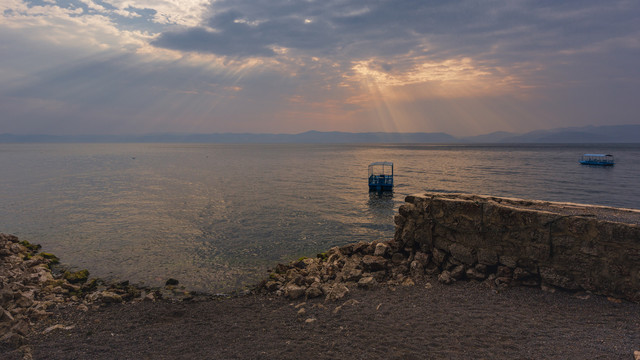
(467, 318)
(411, 292)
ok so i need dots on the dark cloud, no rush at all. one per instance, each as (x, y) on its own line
(388, 28)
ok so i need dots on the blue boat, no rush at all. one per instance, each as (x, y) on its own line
(597, 159)
(381, 176)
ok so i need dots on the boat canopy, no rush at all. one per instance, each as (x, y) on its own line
(385, 163)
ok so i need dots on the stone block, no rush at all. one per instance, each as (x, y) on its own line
(462, 253)
(487, 257)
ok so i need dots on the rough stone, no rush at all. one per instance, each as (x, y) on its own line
(446, 278)
(462, 253)
(313, 291)
(381, 249)
(397, 258)
(368, 282)
(110, 297)
(337, 292)
(458, 272)
(473, 273)
(416, 268)
(374, 263)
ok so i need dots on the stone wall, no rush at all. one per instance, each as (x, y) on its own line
(536, 243)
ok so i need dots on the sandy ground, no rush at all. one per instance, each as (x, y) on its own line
(466, 320)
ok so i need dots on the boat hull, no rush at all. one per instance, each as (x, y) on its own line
(380, 187)
(596, 163)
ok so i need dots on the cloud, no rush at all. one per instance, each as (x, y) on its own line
(278, 65)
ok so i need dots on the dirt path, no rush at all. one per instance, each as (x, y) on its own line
(434, 321)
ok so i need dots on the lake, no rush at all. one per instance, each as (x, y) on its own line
(216, 216)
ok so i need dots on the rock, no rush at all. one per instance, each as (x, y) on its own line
(458, 272)
(301, 312)
(21, 327)
(56, 327)
(313, 290)
(439, 256)
(374, 263)
(337, 292)
(110, 297)
(422, 258)
(636, 355)
(520, 274)
(5, 315)
(487, 257)
(381, 249)
(446, 278)
(52, 258)
(171, 282)
(397, 258)
(272, 285)
(352, 275)
(361, 247)
(76, 277)
(408, 282)
(368, 282)
(293, 291)
(23, 301)
(504, 271)
(416, 268)
(432, 269)
(310, 321)
(462, 253)
(510, 261)
(473, 273)
(349, 302)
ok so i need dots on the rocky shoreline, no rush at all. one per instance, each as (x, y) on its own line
(33, 285)
(49, 312)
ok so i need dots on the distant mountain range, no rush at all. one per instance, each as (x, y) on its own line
(588, 134)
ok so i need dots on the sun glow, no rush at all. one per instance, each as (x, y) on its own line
(445, 79)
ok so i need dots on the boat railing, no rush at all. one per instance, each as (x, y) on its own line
(381, 179)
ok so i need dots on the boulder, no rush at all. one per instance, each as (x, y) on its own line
(337, 292)
(293, 291)
(446, 278)
(110, 297)
(458, 272)
(368, 282)
(82, 276)
(381, 249)
(313, 290)
(374, 263)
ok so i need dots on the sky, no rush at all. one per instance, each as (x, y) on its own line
(465, 67)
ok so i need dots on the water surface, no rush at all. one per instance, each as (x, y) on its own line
(217, 216)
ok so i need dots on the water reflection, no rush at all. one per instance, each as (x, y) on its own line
(381, 206)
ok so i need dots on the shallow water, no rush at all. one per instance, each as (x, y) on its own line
(217, 216)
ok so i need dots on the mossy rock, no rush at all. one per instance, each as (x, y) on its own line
(30, 246)
(91, 285)
(76, 277)
(52, 258)
(323, 256)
